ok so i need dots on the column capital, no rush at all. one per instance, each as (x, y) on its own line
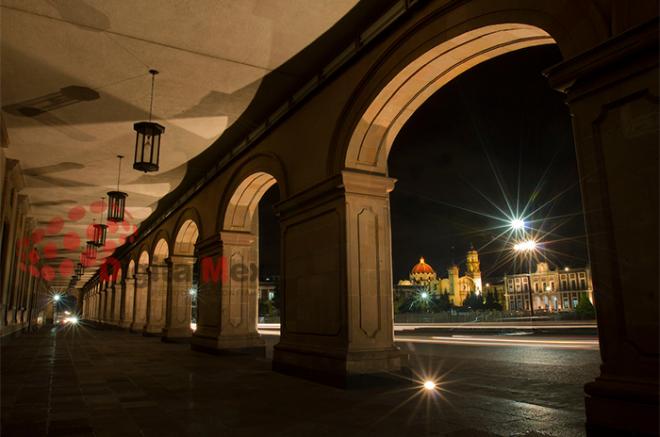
(356, 182)
(181, 259)
(235, 238)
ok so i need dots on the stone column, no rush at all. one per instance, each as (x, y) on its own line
(110, 303)
(337, 318)
(612, 92)
(179, 301)
(101, 309)
(118, 301)
(237, 326)
(156, 297)
(208, 294)
(140, 301)
(128, 303)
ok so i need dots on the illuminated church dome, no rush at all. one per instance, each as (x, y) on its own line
(422, 272)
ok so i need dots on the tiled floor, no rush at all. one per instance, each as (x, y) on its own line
(88, 381)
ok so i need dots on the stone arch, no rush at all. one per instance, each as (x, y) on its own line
(143, 261)
(372, 139)
(126, 315)
(130, 269)
(186, 232)
(161, 249)
(158, 284)
(141, 298)
(438, 48)
(244, 201)
(247, 185)
(237, 227)
(182, 295)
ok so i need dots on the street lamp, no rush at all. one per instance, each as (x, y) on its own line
(517, 224)
(528, 247)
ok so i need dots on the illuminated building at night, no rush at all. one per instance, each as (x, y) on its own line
(552, 290)
(422, 275)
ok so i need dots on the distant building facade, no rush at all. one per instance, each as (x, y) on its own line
(423, 277)
(551, 290)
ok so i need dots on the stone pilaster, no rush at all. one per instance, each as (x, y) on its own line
(208, 293)
(140, 301)
(612, 92)
(337, 281)
(156, 297)
(179, 300)
(230, 322)
(127, 303)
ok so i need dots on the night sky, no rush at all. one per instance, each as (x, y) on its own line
(499, 118)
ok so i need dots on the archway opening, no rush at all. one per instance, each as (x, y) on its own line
(250, 238)
(183, 303)
(141, 293)
(157, 288)
(487, 220)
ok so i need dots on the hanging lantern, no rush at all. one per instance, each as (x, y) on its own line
(100, 232)
(80, 270)
(147, 140)
(84, 261)
(90, 251)
(116, 200)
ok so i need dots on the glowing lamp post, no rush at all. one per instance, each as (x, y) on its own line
(517, 224)
(528, 247)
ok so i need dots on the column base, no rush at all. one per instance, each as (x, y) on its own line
(240, 344)
(177, 335)
(617, 407)
(151, 330)
(125, 324)
(341, 368)
(136, 327)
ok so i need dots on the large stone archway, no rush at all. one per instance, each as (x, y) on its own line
(380, 123)
(141, 292)
(181, 265)
(627, 327)
(159, 283)
(228, 308)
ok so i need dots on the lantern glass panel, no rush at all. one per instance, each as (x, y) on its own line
(90, 251)
(100, 232)
(116, 205)
(147, 146)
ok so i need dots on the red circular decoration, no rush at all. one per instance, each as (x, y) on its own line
(34, 256)
(50, 251)
(110, 246)
(71, 241)
(55, 225)
(98, 206)
(112, 227)
(38, 235)
(76, 213)
(48, 273)
(66, 267)
(34, 271)
(90, 232)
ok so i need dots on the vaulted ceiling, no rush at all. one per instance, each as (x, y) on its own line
(75, 79)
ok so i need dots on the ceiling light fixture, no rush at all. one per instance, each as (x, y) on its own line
(117, 200)
(147, 140)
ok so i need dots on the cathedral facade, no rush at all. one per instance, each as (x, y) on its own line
(423, 276)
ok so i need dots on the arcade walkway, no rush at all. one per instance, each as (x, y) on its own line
(110, 383)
